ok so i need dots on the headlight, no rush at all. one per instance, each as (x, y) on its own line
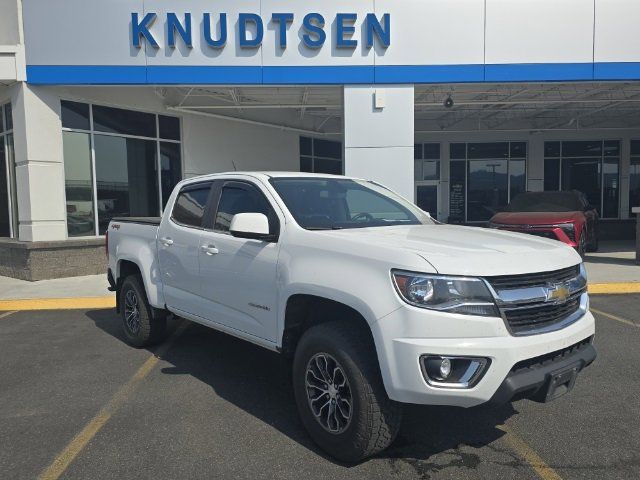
(569, 230)
(469, 296)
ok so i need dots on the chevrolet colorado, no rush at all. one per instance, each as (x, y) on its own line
(375, 303)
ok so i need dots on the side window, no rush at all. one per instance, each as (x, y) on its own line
(242, 199)
(190, 205)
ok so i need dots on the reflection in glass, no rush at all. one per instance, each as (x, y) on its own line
(518, 177)
(583, 174)
(634, 184)
(126, 175)
(487, 190)
(610, 190)
(78, 184)
(4, 193)
(551, 174)
(170, 168)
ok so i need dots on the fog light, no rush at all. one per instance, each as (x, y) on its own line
(453, 372)
(445, 368)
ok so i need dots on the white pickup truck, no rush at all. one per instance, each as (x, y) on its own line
(375, 302)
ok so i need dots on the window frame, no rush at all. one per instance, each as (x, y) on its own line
(217, 190)
(9, 149)
(92, 134)
(313, 157)
(601, 159)
(422, 159)
(207, 207)
(466, 160)
(634, 159)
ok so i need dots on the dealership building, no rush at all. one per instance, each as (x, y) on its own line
(458, 105)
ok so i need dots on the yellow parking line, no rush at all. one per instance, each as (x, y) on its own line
(614, 317)
(544, 471)
(80, 441)
(614, 288)
(6, 314)
(58, 303)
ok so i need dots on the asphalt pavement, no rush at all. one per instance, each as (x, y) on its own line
(78, 402)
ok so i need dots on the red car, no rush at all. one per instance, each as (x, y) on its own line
(564, 216)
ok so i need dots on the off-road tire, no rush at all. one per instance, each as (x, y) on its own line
(152, 324)
(375, 419)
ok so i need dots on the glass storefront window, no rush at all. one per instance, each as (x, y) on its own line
(78, 184)
(634, 176)
(126, 178)
(426, 161)
(591, 167)
(320, 156)
(8, 204)
(495, 173)
(136, 159)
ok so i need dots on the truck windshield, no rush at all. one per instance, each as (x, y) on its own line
(335, 204)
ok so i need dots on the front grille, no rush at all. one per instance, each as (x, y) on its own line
(541, 315)
(509, 282)
(527, 302)
(543, 360)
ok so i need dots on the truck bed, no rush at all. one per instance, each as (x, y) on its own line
(143, 220)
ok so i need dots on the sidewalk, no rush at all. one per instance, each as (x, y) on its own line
(75, 287)
(613, 263)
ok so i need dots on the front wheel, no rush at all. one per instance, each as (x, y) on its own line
(339, 392)
(140, 325)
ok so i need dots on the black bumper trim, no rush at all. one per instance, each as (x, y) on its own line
(531, 382)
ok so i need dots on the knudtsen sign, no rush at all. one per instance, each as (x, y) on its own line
(250, 29)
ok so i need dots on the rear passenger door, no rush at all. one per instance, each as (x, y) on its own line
(238, 276)
(178, 248)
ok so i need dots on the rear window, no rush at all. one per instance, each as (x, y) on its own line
(190, 205)
(546, 202)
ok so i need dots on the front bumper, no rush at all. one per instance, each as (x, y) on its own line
(400, 340)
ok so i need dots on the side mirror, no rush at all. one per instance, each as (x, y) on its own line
(254, 226)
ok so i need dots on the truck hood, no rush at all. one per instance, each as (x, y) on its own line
(536, 218)
(456, 250)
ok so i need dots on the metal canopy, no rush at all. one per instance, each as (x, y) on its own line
(486, 107)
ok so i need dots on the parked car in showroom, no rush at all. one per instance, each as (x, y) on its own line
(375, 304)
(564, 216)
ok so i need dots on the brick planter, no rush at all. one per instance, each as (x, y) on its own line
(45, 260)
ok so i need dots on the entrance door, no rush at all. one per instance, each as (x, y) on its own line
(5, 219)
(428, 197)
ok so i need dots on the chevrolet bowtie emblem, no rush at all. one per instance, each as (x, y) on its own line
(557, 293)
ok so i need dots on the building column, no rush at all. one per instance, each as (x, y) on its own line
(379, 135)
(39, 164)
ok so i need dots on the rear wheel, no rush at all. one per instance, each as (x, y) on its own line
(141, 327)
(339, 392)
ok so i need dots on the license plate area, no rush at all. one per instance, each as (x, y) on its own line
(561, 382)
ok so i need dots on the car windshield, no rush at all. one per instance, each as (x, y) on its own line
(546, 202)
(340, 203)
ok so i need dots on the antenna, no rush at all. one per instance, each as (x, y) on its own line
(235, 169)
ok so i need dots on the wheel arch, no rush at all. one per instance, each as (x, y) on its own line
(303, 311)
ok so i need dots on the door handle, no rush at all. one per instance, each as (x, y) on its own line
(166, 241)
(210, 250)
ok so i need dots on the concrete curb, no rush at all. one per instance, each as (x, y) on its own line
(58, 303)
(614, 288)
(109, 301)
